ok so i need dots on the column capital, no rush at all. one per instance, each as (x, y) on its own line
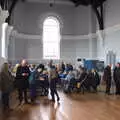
(3, 15)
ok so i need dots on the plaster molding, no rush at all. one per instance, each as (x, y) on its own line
(27, 36)
(3, 15)
(63, 37)
(99, 33)
(112, 29)
(39, 60)
(109, 30)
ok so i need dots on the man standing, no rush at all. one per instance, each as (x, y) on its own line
(22, 76)
(116, 76)
(107, 79)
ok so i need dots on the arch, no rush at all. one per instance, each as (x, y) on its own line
(52, 14)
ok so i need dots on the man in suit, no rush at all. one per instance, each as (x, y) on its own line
(107, 78)
(116, 76)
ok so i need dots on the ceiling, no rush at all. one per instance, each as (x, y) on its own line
(72, 2)
(87, 2)
(10, 5)
(67, 2)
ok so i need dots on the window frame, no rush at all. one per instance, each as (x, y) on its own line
(50, 42)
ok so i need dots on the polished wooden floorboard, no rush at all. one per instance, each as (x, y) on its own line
(72, 107)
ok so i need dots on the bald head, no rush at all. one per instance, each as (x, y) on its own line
(24, 62)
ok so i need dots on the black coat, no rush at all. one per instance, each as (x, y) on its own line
(97, 78)
(107, 75)
(90, 80)
(82, 76)
(63, 67)
(22, 82)
(41, 66)
(116, 75)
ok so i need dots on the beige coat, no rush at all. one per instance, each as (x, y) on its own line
(6, 81)
(53, 74)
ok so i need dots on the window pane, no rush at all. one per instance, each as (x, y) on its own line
(51, 50)
(51, 39)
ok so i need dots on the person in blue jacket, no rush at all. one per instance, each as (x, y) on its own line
(32, 83)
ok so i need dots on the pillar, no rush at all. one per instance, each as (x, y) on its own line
(3, 16)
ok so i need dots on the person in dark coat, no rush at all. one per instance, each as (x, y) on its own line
(22, 81)
(32, 83)
(63, 66)
(43, 78)
(116, 76)
(96, 77)
(90, 81)
(6, 83)
(41, 66)
(107, 79)
(83, 74)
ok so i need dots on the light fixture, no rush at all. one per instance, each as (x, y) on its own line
(51, 3)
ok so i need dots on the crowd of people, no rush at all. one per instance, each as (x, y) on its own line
(30, 77)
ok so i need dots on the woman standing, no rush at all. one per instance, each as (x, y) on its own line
(53, 76)
(6, 84)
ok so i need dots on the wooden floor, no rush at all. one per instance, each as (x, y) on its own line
(72, 107)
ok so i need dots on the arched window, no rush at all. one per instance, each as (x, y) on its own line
(51, 38)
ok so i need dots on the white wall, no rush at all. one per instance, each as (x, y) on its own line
(71, 49)
(82, 48)
(111, 39)
(76, 21)
(85, 20)
(111, 42)
(81, 20)
(20, 49)
(68, 50)
(34, 49)
(28, 19)
(112, 13)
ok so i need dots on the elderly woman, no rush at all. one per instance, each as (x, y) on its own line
(5, 85)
